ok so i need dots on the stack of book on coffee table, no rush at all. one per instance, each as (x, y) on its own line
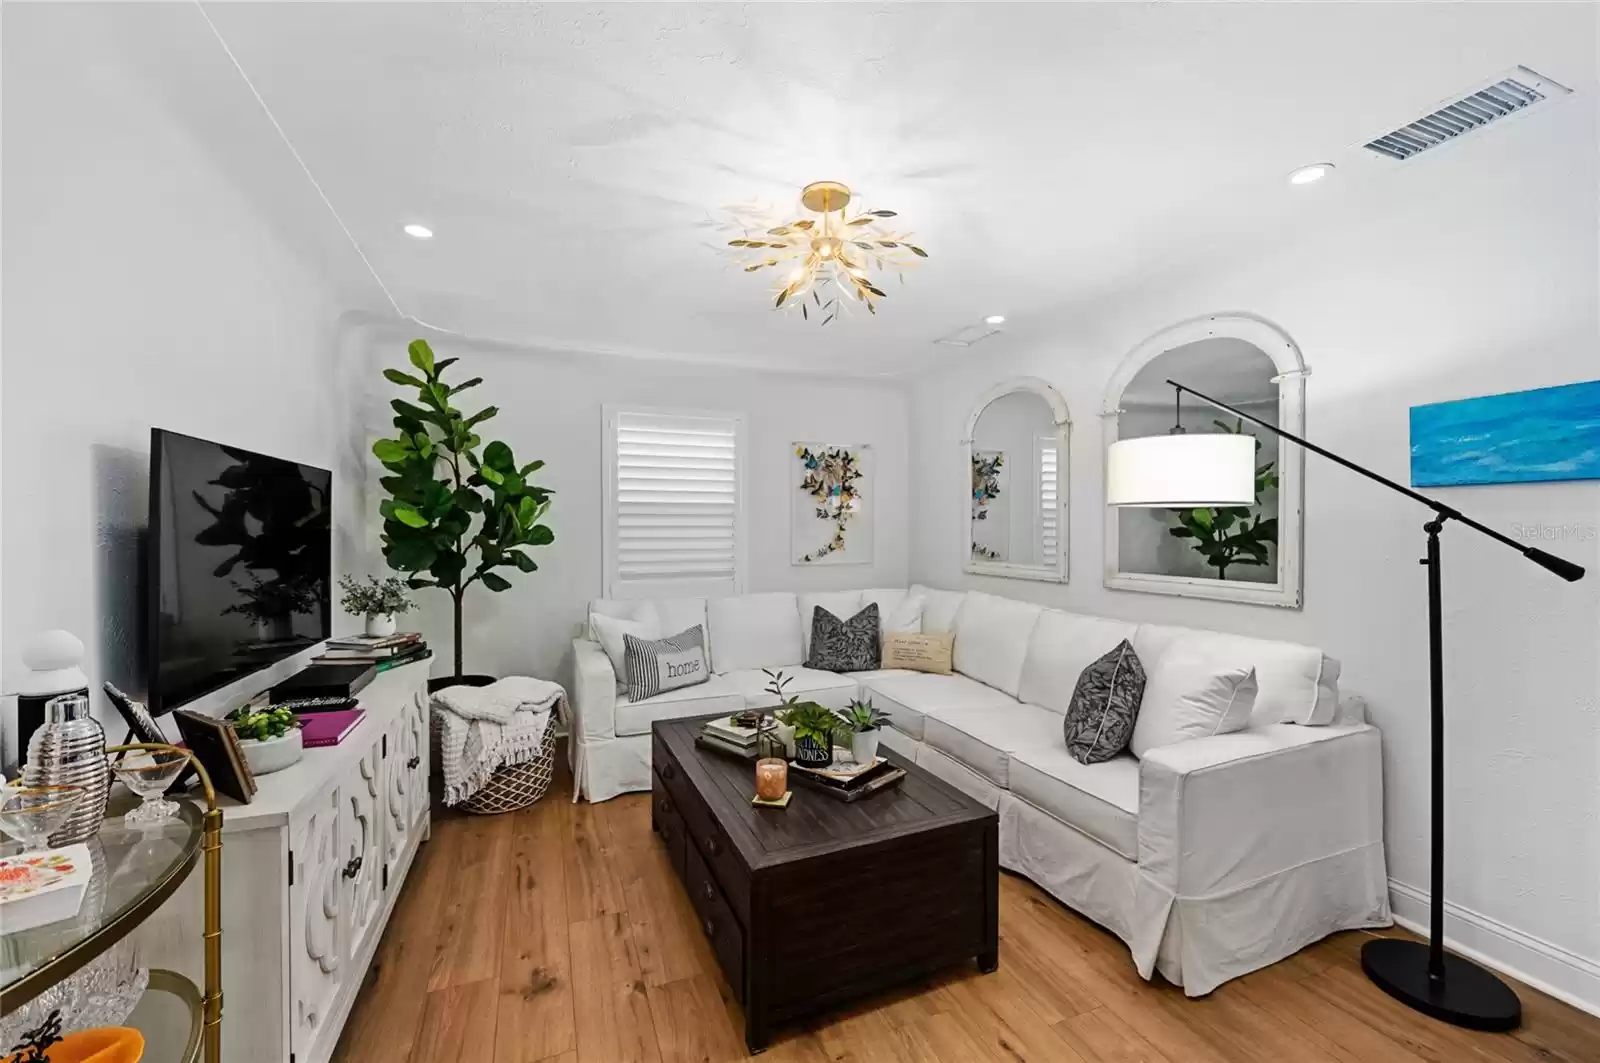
(723, 735)
(383, 651)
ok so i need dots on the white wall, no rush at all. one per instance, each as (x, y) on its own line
(1466, 273)
(156, 273)
(550, 405)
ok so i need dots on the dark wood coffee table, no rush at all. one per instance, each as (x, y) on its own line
(823, 901)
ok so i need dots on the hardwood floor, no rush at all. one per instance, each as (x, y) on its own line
(560, 935)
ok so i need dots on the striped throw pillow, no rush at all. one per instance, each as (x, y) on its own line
(653, 666)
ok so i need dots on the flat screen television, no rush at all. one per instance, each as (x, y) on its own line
(239, 564)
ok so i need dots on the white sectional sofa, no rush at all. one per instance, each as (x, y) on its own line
(1211, 857)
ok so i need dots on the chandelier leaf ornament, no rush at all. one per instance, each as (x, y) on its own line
(825, 265)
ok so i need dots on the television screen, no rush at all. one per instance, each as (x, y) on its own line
(240, 553)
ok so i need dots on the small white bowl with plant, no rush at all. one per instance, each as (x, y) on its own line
(268, 737)
(378, 600)
(863, 722)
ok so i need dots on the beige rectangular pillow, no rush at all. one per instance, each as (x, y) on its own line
(920, 653)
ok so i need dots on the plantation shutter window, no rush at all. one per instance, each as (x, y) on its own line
(1049, 503)
(674, 506)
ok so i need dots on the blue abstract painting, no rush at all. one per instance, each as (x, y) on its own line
(1519, 437)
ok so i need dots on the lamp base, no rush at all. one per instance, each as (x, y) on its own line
(1467, 995)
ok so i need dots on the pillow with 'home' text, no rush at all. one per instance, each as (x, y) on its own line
(654, 666)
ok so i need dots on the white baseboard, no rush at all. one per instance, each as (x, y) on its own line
(1546, 967)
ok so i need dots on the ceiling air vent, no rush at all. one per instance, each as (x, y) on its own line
(1515, 92)
(967, 335)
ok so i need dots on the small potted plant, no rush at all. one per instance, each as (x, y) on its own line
(864, 722)
(813, 733)
(781, 735)
(377, 600)
(269, 737)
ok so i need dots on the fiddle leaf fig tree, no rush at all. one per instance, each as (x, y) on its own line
(453, 518)
(1232, 535)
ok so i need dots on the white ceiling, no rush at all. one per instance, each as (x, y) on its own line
(570, 157)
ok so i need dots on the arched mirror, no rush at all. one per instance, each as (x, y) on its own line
(1016, 507)
(1241, 553)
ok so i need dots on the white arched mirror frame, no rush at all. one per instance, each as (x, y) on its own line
(1275, 344)
(1056, 573)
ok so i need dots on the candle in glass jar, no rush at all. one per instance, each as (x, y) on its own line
(772, 778)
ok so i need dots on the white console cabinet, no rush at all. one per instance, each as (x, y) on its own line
(310, 872)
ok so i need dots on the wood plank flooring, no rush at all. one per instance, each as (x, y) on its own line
(560, 935)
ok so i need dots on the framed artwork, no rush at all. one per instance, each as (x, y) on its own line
(831, 512)
(1519, 437)
(991, 506)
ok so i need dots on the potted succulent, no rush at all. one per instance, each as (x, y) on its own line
(864, 722)
(813, 733)
(269, 737)
(377, 600)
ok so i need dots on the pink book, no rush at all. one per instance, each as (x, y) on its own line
(328, 728)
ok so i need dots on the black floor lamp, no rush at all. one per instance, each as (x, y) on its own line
(1215, 470)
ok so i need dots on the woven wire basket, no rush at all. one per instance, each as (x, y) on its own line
(516, 786)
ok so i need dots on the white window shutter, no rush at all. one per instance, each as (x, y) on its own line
(1049, 504)
(674, 508)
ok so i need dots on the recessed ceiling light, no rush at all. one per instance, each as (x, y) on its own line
(421, 232)
(995, 319)
(1309, 174)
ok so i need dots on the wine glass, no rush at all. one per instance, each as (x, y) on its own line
(30, 814)
(148, 773)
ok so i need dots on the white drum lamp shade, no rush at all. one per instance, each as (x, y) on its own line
(1182, 471)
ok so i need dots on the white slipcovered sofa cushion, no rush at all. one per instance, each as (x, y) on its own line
(939, 608)
(983, 739)
(674, 614)
(754, 631)
(907, 697)
(714, 695)
(828, 689)
(1101, 800)
(1298, 684)
(1061, 647)
(1190, 694)
(992, 637)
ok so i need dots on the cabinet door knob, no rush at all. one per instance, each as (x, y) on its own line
(353, 868)
(413, 762)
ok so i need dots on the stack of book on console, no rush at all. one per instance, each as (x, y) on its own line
(382, 651)
(845, 780)
(723, 735)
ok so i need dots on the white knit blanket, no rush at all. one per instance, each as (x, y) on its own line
(482, 729)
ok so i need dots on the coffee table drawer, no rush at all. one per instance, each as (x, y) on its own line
(668, 824)
(706, 835)
(716, 921)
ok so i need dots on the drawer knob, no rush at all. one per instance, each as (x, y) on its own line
(709, 890)
(669, 771)
(713, 846)
(666, 833)
(663, 806)
(709, 927)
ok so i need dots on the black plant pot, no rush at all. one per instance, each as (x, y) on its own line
(435, 685)
(812, 753)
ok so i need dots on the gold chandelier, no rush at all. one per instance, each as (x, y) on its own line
(834, 262)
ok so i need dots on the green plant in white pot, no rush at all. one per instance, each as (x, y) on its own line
(377, 600)
(864, 723)
(268, 737)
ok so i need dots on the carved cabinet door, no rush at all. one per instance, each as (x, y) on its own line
(361, 850)
(316, 899)
(397, 818)
(417, 763)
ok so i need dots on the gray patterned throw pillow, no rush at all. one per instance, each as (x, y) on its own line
(853, 645)
(1104, 707)
(657, 665)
